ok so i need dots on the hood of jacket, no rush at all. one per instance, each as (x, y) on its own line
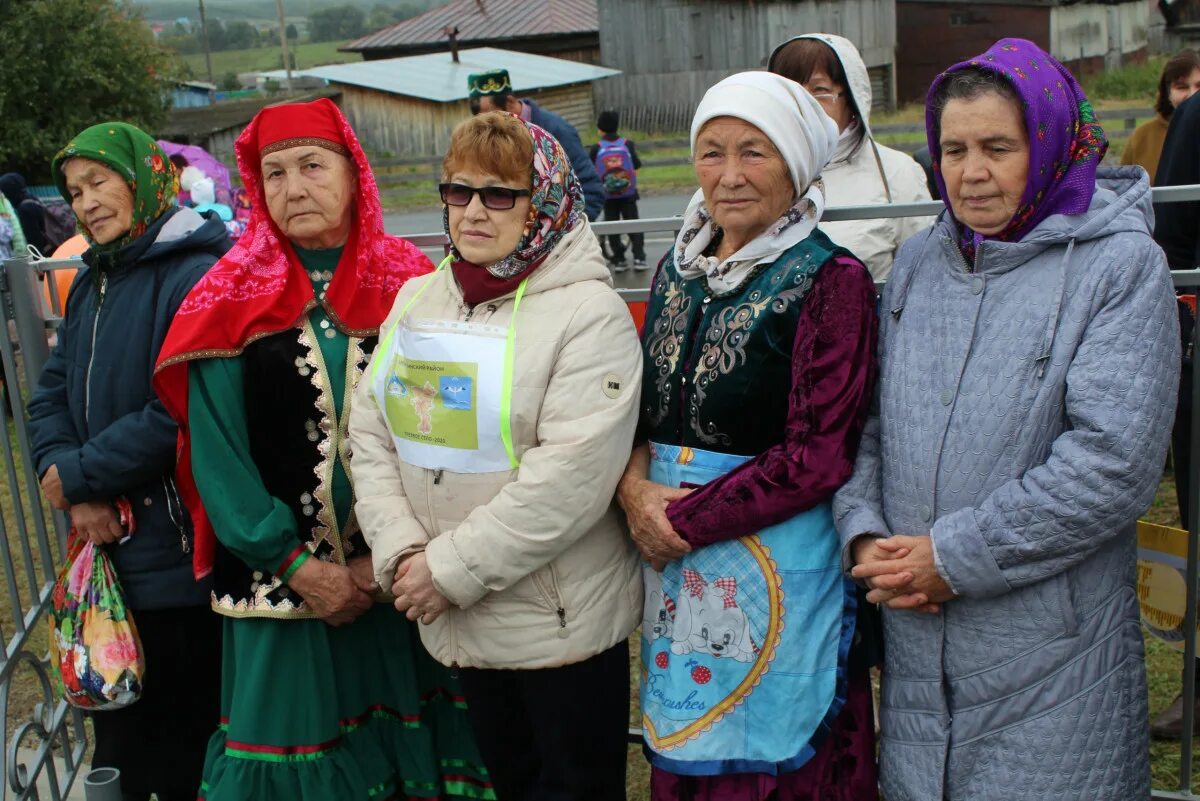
(178, 230)
(857, 78)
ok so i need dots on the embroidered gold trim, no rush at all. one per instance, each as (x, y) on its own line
(228, 353)
(302, 141)
(326, 528)
(260, 607)
(355, 357)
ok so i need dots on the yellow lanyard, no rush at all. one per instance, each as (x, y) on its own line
(509, 349)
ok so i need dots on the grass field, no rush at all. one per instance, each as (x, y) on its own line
(308, 54)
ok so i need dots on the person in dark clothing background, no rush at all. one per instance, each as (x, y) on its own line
(30, 213)
(1177, 231)
(617, 163)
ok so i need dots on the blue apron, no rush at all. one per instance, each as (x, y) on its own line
(744, 642)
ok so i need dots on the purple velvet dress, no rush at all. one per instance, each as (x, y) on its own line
(801, 422)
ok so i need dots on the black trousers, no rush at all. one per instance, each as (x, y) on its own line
(556, 734)
(624, 210)
(159, 743)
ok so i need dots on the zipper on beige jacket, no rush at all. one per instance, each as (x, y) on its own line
(553, 596)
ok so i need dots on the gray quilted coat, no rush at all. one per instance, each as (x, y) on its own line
(1024, 414)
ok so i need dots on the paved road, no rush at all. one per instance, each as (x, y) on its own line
(430, 221)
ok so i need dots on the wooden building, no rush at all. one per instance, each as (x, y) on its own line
(671, 51)
(409, 106)
(1174, 25)
(1086, 36)
(559, 28)
(215, 128)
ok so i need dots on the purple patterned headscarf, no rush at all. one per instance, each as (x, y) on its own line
(1066, 143)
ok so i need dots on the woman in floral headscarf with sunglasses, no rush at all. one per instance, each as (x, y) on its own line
(486, 448)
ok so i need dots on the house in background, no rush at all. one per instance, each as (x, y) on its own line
(409, 106)
(669, 52)
(193, 94)
(1174, 25)
(1085, 36)
(559, 28)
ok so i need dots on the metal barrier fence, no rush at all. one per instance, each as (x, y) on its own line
(47, 740)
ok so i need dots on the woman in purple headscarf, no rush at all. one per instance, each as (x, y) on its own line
(1029, 358)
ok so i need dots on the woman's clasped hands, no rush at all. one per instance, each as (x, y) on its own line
(338, 594)
(416, 594)
(645, 503)
(900, 572)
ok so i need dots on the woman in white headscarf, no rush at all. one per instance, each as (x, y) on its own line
(759, 364)
(861, 172)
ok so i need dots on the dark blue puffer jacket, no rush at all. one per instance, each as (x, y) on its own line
(94, 413)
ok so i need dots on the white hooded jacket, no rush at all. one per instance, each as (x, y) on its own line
(868, 174)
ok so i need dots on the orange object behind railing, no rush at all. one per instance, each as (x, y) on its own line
(1190, 300)
(637, 309)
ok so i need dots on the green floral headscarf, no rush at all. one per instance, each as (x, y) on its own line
(137, 158)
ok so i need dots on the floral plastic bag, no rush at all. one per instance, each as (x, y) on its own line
(95, 643)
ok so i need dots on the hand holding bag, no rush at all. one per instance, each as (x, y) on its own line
(94, 642)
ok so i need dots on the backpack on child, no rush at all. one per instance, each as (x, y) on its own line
(614, 164)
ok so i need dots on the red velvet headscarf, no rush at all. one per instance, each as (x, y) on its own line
(260, 287)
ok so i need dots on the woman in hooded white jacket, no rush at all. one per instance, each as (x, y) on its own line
(862, 172)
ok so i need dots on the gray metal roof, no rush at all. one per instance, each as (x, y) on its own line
(486, 20)
(434, 76)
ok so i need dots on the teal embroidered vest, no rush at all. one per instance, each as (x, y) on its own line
(717, 369)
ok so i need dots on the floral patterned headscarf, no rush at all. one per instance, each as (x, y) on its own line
(136, 157)
(555, 208)
(1066, 143)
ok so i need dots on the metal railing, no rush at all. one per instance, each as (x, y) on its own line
(33, 538)
(45, 749)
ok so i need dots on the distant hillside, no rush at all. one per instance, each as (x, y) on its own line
(257, 9)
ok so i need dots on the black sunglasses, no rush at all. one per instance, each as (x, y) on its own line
(499, 198)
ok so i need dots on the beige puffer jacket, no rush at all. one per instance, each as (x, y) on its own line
(536, 562)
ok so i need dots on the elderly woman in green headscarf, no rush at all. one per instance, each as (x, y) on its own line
(102, 441)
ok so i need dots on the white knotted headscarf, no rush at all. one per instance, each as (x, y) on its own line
(805, 137)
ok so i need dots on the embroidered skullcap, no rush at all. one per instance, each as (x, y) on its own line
(490, 82)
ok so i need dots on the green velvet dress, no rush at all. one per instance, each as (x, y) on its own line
(310, 711)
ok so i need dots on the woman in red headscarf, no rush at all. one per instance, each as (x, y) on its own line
(326, 690)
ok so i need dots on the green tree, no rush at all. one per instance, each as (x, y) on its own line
(67, 82)
(291, 32)
(381, 16)
(217, 40)
(229, 82)
(240, 35)
(336, 23)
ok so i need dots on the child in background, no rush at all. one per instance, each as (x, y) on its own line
(617, 164)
